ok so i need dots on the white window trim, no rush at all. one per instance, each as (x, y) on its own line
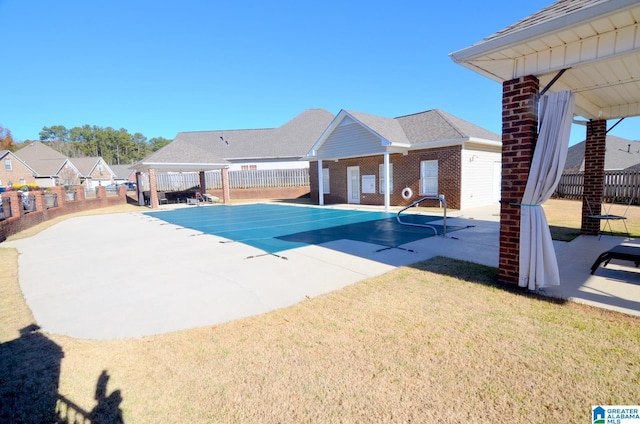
(326, 181)
(429, 183)
(381, 178)
(8, 166)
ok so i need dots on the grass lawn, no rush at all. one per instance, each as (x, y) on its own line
(439, 341)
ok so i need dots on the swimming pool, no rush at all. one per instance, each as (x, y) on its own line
(275, 228)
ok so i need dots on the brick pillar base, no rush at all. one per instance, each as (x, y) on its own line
(593, 187)
(519, 134)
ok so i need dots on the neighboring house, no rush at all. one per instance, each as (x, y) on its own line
(270, 148)
(50, 167)
(123, 173)
(94, 171)
(620, 154)
(14, 171)
(427, 153)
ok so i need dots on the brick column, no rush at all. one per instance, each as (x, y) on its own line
(61, 195)
(519, 134)
(593, 186)
(16, 204)
(153, 190)
(80, 194)
(226, 192)
(39, 199)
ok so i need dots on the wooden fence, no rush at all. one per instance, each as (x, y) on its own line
(619, 186)
(262, 178)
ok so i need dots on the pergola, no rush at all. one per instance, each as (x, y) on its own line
(588, 47)
(152, 167)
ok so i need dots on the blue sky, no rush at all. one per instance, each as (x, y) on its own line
(161, 67)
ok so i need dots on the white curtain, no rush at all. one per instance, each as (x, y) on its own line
(538, 263)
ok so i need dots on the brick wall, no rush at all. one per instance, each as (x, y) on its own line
(20, 221)
(406, 173)
(519, 134)
(595, 146)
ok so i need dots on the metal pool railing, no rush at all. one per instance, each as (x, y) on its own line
(442, 200)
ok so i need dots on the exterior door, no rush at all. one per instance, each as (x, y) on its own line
(353, 184)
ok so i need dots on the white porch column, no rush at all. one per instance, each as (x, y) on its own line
(320, 184)
(387, 185)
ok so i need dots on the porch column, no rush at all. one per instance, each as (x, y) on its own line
(203, 184)
(593, 186)
(226, 192)
(519, 134)
(139, 188)
(387, 185)
(153, 190)
(320, 184)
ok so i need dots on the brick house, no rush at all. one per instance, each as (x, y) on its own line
(94, 171)
(14, 171)
(427, 153)
(50, 167)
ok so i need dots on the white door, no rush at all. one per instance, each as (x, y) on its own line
(353, 184)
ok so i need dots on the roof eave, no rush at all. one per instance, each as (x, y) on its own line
(493, 45)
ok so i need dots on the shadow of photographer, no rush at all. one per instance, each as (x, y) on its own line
(29, 380)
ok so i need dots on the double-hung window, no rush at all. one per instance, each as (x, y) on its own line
(381, 179)
(429, 178)
(7, 164)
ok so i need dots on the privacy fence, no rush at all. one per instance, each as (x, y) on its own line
(619, 186)
(239, 179)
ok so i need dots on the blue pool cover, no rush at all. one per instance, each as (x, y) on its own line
(275, 228)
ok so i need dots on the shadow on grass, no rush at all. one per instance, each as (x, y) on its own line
(563, 233)
(29, 380)
(478, 274)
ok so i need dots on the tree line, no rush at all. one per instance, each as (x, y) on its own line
(116, 147)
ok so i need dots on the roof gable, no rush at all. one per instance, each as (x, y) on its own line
(87, 165)
(404, 132)
(44, 160)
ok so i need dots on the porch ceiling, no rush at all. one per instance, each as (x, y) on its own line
(598, 45)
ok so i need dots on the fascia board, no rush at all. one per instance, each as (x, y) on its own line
(581, 16)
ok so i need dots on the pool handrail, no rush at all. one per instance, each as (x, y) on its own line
(442, 200)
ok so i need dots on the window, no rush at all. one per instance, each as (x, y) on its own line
(381, 179)
(7, 164)
(429, 177)
(248, 167)
(325, 181)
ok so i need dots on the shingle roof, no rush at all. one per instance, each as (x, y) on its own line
(86, 165)
(555, 10)
(42, 158)
(620, 154)
(291, 140)
(436, 125)
(122, 172)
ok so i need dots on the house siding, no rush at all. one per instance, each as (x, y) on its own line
(406, 173)
(350, 140)
(479, 187)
